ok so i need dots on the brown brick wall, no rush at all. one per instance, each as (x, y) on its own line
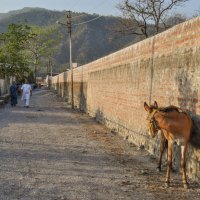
(165, 68)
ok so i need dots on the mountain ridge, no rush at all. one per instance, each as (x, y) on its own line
(90, 41)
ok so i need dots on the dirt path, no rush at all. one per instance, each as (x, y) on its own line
(50, 152)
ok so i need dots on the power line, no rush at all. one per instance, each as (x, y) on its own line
(94, 8)
(85, 22)
(97, 6)
(88, 21)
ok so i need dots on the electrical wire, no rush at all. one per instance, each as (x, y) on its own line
(88, 21)
(94, 8)
(85, 22)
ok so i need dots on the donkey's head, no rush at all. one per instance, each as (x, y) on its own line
(152, 126)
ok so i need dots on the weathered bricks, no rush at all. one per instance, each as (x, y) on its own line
(165, 68)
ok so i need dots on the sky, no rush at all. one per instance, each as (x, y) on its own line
(102, 7)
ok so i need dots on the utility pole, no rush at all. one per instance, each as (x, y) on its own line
(69, 26)
(36, 66)
(51, 68)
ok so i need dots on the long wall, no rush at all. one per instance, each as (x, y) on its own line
(165, 68)
(4, 85)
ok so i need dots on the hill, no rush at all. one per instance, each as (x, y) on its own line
(90, 41)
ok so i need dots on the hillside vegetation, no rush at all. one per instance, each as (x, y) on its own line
(90, 41)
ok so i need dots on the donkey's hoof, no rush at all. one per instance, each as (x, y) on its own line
(185, 185)
(158, 169)
(167, 184)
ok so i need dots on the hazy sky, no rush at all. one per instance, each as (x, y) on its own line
(102, 7)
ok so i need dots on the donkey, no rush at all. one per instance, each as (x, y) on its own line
(174, 124)
(163, 146)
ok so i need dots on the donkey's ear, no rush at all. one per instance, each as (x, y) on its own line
(155, 104)
(146, 107)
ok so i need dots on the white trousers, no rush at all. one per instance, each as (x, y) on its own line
(26, 102)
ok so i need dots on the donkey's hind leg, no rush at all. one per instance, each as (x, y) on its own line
(163, 145)
(169, 163)
(183, 165)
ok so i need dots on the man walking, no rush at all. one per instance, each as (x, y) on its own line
(13, 94)
(26, 93)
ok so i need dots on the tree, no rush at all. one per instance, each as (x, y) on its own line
(13, 61)
(146, 17)
(43, 46)
(196, 13)
(175, 19)
(23, 48)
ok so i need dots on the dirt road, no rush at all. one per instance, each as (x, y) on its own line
(49, 152)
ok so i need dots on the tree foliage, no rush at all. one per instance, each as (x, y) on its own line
(89, 41)
(23, 47)
(13, 61)
(43, 47)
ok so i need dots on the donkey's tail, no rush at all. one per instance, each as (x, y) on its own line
(195, 133)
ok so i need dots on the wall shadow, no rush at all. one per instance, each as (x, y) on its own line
(188, 99)
(66, 91)
(57, 85)
(82, 98)
(188, 96)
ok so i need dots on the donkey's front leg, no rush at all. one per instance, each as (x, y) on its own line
(183, 165)
(169, 163)
(162, 149)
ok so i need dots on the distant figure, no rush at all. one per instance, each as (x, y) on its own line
(26, 93)
(13, 94)
(18, 90)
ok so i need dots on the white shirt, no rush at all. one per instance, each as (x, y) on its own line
(26, 88)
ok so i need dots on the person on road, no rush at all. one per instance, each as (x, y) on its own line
(13, 94)
(26, 93)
